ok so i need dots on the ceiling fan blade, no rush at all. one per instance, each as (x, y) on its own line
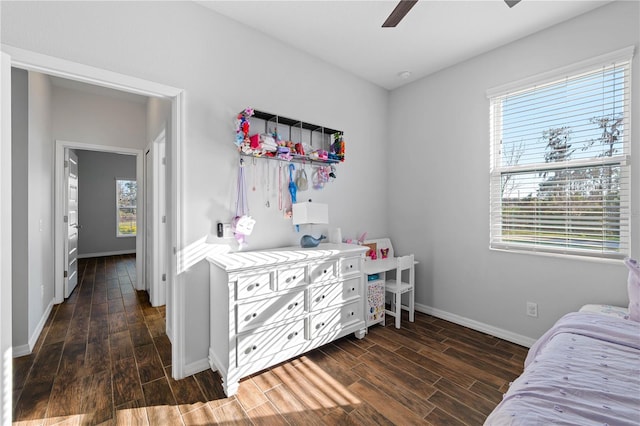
(399, 12)
(511, 3)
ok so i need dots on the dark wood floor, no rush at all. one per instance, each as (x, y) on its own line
(104, 358)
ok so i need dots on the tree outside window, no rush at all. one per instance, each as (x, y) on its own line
(560, 165)
(126, 198)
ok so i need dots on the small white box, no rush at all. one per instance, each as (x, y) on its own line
(304, 213)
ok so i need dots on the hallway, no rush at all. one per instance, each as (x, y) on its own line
(103, 355)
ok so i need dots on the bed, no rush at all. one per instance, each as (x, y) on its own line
(585, 370)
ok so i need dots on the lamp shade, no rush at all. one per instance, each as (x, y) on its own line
(310, 213)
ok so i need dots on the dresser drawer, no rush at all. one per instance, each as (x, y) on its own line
(269, 310)
(349, 265)
(334, 320)
(325, 271)
(291, 277)
(254, 346)
(250, 285)
(334, 294)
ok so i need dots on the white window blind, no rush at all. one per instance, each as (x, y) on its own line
(560, 170)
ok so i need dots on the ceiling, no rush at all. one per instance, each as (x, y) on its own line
(434, 35)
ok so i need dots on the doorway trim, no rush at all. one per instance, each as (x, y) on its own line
(59, 208)
(155, 240)
(32, 61)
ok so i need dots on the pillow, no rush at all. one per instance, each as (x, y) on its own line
(633, 288)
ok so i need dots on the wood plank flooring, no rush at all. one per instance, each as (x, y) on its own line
(104, 358)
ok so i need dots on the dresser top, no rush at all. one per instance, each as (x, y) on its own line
(271, 257)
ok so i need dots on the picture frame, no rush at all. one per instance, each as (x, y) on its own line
(372, 253)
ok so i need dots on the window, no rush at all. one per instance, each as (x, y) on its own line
(126, 195)
(560, 178)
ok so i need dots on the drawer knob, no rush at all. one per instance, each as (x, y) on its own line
(254, 315)
(293, 305)
(254, 348)
(322, 296)
(325, 271)
(352, 313)
(292, 335)
(353, 289)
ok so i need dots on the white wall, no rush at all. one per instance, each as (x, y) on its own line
(446, 221)
(223, 67)
(19, 205)
(96, 119)
(97, 173)
(40, 201)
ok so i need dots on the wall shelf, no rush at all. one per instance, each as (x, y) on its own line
(314, 138)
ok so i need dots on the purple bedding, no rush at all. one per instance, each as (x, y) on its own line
(585, 370)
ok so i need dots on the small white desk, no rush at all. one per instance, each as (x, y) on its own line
(375, 302)
(379, 266)
(375, 295)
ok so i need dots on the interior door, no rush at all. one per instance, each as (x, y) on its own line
(71, 217)
(148, 208)
(155, 219)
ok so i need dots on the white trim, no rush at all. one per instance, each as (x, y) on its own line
(177, 312)
(196, 367)
(575, 68)
(476, 325)
(105, 253)
(80, 72)
(59, 201)
(157, 258)
(33, 61)
(6, 359)
(28, 348)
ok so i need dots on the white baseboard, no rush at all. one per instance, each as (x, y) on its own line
(23, 350)
(169, 331)
(476, 325)
(196, 367)
(105, 253)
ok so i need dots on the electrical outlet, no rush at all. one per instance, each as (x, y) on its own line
(532, 309)
(226, 230)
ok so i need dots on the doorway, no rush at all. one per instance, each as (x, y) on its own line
(28, 60)
(61, 201)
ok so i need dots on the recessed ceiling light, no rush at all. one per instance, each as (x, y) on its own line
(404, 74)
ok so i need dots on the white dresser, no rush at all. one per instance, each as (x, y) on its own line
(271, 305)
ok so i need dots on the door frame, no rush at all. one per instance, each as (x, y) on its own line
(176, 315)
(6, 350)
(60, 200)
(157, 189)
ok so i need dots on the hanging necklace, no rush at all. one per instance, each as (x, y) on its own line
(280, 186)
(255, 173)
(268, 192)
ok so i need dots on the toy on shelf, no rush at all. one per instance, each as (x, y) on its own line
(270, 144)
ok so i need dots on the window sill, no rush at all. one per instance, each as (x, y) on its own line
(567, 256)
